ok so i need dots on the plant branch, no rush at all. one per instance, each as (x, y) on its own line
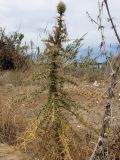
(111, 20)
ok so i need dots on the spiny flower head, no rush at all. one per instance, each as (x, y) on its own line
(61, 8)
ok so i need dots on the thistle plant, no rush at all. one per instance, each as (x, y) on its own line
(54, 53)
(51, 120)
(50, 116)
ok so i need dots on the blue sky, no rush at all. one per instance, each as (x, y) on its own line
(32, 16)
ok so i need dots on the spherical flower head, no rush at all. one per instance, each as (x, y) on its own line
(61, 8)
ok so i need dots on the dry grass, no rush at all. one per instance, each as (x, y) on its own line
(19, 105)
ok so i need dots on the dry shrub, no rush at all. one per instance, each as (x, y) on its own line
(12, 52)
(12, 123)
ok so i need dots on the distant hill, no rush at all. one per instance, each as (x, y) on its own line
(111, 49)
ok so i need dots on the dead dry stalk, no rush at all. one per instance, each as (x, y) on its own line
(101, 151)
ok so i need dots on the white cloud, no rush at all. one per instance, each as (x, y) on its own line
(32, 16)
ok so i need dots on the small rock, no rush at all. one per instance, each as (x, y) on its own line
(97, 102)
(96, 84)
(78, 126)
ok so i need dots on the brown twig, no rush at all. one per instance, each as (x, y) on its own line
(91, 19)
(111, 20)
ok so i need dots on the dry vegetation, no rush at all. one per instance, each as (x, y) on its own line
(20, 104)
(55, 107)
